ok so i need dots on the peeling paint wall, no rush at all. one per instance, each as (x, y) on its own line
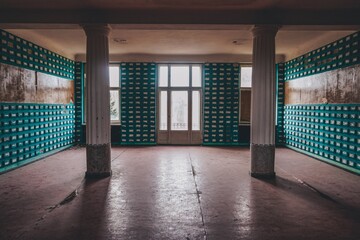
(321, 116)
(27, 86)
(337, 86)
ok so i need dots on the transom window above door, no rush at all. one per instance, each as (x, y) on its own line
(179, 75)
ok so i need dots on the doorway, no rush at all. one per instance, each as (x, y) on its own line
(179, 104)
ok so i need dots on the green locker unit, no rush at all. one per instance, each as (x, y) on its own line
(78, 101)
(329, 132)
(138, 103)
(21, 53)
(221, 104)
(280, 101)
(30, 131)
(338, 54)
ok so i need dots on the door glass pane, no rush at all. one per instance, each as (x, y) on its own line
(163, 76)
(195, 110)
(180, 76)
(163, 110)
(245, 79)
(196, 76)
(114, 105)
(114, 76)
(179, 110)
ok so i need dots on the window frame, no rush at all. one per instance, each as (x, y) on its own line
(242, 89)
(118, 89)
(112, 122)
(190, 88)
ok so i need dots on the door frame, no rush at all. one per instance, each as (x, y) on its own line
(194, 137)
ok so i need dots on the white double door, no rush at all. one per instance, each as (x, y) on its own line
(179, 104)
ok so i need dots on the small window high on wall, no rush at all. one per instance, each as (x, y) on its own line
(114, 78)
(245, 94)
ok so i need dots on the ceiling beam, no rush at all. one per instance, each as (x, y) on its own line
(219, 27)
(183, 16)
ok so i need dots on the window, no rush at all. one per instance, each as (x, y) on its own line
(114, 78)
(179, 96)
(245, 77)
(114, 73)
(245, 94)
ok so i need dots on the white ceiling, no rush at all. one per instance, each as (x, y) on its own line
(168, 40)
(180, 30)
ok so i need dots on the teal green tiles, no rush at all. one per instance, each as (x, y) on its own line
(78, 101)
(221, 104)
(339, 54)
(329, 132)
(31, 131)
(280, 100)
(21, 53)
(138, 103)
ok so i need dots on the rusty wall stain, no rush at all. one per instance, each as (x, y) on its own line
(30, 88)
(12, 85)
(22, 85)
(337, 86)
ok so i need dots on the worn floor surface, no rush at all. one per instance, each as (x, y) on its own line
(179, 193)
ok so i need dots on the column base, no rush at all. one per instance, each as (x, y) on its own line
(262, 160)
(91, 175)
(98, 160)
(263, 175)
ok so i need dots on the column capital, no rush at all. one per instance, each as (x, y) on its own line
(264, 29)
(96, 29)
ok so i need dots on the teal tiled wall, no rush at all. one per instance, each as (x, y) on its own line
(280, 101)
(138, 103)
(22, 53)
(327, 131)
(29, 131)
(78, 101)
(221, 104)
(339, 54)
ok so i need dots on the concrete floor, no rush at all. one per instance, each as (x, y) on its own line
(179, 193)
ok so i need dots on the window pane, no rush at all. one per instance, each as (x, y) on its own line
(195, 110)
(114, 76)
(180, 76)
(179, 110)
(163, 110)
(163, 76)
(196, 76)
(114, 105)
(246, 74)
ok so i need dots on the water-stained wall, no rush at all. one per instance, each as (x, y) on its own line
(336, 86)
(27, 86)
(322, 103)
(36, 118)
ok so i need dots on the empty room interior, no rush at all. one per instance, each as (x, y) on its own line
(186, 119)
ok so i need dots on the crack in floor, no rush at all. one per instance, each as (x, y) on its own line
(198, 192)
(118, 155)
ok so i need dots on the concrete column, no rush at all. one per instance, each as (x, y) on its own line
(98, 134)
(263, 102)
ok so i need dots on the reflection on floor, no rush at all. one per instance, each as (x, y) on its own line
(179, 193)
